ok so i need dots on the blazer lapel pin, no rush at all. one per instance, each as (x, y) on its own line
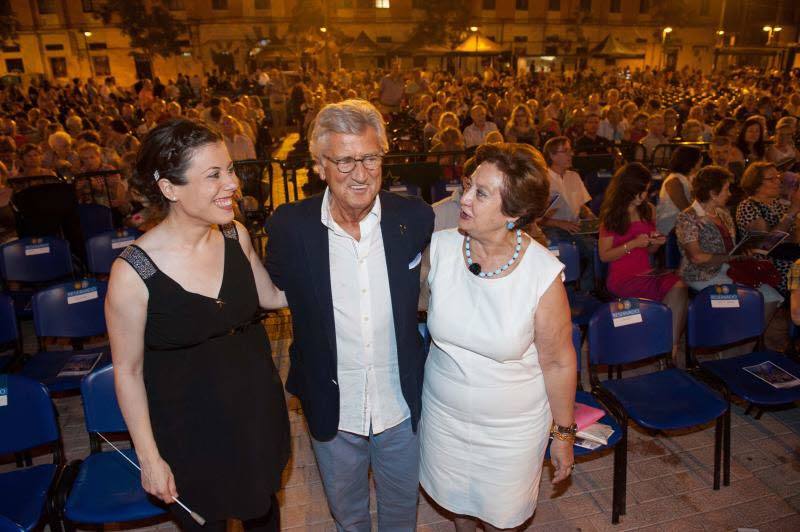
(402, 229)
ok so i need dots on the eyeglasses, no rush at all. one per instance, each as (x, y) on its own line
(347, 164)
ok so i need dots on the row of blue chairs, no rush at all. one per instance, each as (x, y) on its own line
(102, 488)
(36, 260)
(71, 310)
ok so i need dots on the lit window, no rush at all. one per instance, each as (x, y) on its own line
(382, 4)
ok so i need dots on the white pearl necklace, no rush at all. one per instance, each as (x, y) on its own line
(476, 268)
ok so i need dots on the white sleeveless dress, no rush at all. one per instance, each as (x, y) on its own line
(485, 414)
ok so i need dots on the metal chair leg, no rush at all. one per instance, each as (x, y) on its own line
(618, 489)
(718, 448)
(726, 449)
(623, 481)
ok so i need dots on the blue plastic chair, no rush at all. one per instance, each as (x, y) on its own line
(588, 399)
(35, 260)
(106, 488)
(66, 310)
(709, 327)
(663, 400)
(582, 304)
(32, 263)
(102, 249)
(9, 333)
(95, 219)
(28, 422)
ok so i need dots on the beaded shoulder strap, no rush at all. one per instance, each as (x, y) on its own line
(139, 260)
(229, 231)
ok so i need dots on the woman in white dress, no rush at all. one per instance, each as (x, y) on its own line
(501, 373)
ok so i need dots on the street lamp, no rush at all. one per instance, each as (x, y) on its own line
(474, 30)
(324, 31)
(771, 31)
(86, 35)
(666, 31)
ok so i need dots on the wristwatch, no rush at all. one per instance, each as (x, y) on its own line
(564, 433)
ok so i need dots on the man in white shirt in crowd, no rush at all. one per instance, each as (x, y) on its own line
(562, 221)
(655, 136)
(612, 127)
(475, 133)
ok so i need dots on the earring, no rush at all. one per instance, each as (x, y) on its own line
(510, 226)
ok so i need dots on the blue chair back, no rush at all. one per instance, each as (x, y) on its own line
(630, 343)
(95, 219)
(35, 259)
(569, 256)
(29, 419)
(102, 249)
(8, 320)
(672, 251)
(100, 407)
(707, 326)
(73, 309)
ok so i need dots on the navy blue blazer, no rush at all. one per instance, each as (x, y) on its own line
(298, 263)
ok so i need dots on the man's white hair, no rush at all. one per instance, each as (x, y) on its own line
(350, 117)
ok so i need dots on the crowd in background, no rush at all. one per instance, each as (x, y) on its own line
(733, 119)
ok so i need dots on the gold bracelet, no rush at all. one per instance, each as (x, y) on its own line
(564, 433)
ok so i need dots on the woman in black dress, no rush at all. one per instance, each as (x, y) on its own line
(194, 377)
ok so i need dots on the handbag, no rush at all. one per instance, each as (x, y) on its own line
(754, 272)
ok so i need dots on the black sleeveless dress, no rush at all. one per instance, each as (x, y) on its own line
(216, 400)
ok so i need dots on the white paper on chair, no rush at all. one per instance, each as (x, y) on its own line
(774, 375)
(79, 296)
(597, 433)
(587, 444)
(3, 390)
(724, 296)
(37, 249)
(625, 312)
(80, 364)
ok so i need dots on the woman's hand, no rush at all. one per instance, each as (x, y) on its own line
(157, 479)
(642, 240)
(562, 458)
(658, 239)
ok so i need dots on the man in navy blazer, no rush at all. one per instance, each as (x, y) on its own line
(349, 263)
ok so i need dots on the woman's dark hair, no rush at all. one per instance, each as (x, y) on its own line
(684, 159)
(627, 183)
(753, 177)
(168, 149)
(526, 185)
(710, 179)
(758, 147)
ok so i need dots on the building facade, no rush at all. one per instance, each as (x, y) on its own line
(62, 39)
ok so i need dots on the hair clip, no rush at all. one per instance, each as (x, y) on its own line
(156, 176)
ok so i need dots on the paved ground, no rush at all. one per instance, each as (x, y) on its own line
(669, 477)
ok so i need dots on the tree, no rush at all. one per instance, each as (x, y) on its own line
(151, 28)
(8, 23)
(306, 18)
(673, 12)
(445, 22)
